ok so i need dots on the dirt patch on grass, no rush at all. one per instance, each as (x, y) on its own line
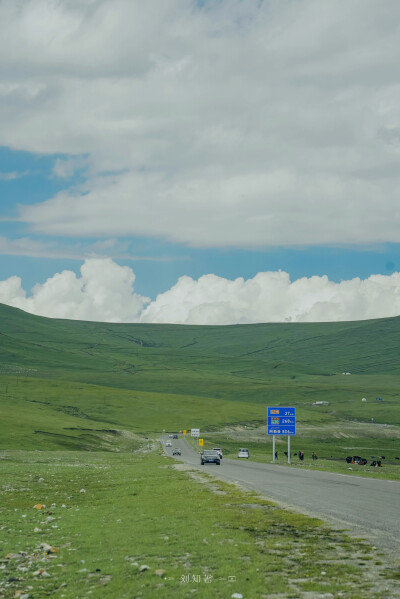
(344, 429)
(182, 466)
(200, 478)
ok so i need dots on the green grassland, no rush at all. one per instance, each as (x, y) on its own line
(64, 383)
(81, 406)
(38, 412)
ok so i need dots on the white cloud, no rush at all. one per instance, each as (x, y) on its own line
(28, 247)
(105, 248)
(239, 124)
(229, 212)
(273, 297)
(12, 294)
(105, 292)
(13, 175)
(66, 167)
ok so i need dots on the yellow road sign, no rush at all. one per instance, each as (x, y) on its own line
(184, 432)
(200, 441)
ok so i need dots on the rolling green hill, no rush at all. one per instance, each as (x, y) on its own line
(66, 383)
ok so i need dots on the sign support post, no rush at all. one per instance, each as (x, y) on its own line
(195, 432)
(273, 448)
(288, 449)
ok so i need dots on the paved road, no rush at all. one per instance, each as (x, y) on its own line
(365, 507)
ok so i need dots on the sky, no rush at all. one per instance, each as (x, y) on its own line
(200, 162)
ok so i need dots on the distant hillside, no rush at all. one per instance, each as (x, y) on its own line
(61, 376)
(87, 350)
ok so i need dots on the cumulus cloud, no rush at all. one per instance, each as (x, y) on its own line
(273, 297)
(104, 291)
(223, 123)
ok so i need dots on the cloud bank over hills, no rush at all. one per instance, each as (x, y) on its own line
(104, 291)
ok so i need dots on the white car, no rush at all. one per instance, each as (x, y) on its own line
(168, 444)
(243, 453)
(219, 451)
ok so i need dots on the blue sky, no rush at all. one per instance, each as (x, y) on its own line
(216, 141)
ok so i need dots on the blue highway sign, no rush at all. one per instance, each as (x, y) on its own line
(281, 421)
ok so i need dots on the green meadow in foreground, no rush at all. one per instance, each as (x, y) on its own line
(140, 525)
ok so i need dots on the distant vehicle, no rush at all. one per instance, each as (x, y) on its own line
(174, 436)
(170, 436)
(243, 453)
(176, 451)
(168, 444)
(209, 456)
(219, 451)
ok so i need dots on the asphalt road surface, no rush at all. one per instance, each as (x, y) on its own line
(364, 507)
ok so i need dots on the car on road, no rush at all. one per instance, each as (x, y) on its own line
(176, 451)
(168, 444)
(243, 453)
(209, 456)
(219, 451)
(174, 436)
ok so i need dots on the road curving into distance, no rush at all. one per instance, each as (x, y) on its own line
(365, 507)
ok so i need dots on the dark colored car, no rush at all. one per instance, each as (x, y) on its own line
(176, 451)
(174, 436)
(209, 456)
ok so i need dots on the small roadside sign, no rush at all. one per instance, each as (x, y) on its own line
(201, 442)
(195, 432)
(184, 432)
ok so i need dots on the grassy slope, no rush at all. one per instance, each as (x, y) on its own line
(59, 375)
